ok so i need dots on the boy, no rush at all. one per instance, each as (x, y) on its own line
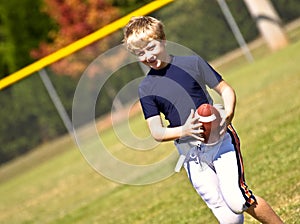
(175, 86)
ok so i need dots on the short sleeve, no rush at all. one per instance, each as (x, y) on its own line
(148, 106)
(210, 76)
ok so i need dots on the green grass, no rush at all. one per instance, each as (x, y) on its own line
(54, 184)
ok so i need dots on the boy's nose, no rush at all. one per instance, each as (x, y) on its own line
(150, 58)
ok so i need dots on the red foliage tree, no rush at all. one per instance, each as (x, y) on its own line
(75, 19)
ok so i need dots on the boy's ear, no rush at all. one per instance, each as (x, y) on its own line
(164, 42)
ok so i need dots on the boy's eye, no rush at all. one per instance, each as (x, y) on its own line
(151, 48)
(140, 53)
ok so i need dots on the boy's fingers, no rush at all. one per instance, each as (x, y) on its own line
(222, 122)
(200, 138)
(223, 127)
(192, 113)
(198, 125)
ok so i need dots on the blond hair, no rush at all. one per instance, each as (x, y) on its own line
(142, 29)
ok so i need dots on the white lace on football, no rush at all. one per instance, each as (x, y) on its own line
(207, 118)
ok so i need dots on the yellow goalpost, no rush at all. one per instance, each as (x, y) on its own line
(81, 43)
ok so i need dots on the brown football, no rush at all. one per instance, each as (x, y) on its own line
(210, 118)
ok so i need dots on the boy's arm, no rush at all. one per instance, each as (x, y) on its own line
(161, 133)
(229, 98)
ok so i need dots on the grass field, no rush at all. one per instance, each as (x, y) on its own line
(54, 184)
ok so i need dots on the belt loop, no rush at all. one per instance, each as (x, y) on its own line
(199, 147)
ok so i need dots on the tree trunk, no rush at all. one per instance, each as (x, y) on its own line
(268, 23)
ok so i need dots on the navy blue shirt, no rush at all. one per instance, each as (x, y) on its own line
(177, 88)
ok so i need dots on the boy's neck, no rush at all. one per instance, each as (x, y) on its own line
(167, 61)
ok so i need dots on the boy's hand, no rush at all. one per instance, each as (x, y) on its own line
(193, 127)
(225, 122)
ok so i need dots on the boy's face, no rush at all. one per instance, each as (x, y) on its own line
(153, 54)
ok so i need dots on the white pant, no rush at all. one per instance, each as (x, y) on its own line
(216, 173)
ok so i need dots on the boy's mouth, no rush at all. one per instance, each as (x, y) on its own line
(152, 60)
(153, 63)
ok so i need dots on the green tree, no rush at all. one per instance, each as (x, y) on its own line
(7, 47)
(126, 6)
(23, 26)
(287, 9)
(205, 30)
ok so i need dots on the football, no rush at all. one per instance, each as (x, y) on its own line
(211, 119)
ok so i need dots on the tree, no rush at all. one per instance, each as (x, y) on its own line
(126, 6)
(26, 117)
(7, 48)
(206, 31)
(75, 19)
(287, 10)
(22, 27)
